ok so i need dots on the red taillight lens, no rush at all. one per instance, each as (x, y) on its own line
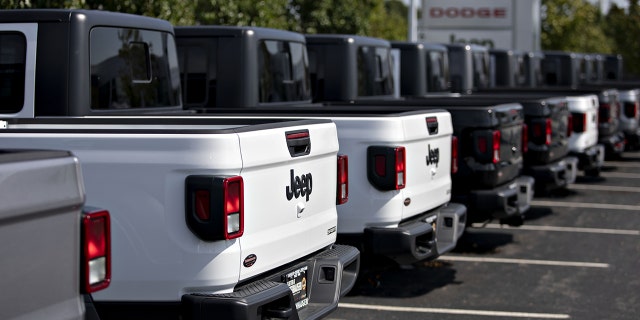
(96, 251)
(547, 131)
(454, 154)
(496, 146)
(203, 206)
(233, 189)
(569, 125)
(400, 168)
(482, 145)
(525, 138)
(343, 180)
(381, 165)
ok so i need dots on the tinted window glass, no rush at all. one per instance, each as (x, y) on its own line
(283, 72)
(374, 72)
(438, 71)
(194, 66)
(480, 70)
(133, 69)
(13, 48)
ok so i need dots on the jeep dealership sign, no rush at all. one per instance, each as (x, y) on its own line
(507, 24)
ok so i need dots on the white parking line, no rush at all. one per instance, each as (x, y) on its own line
(447, 257)
(584, 205)
(561, 229)
(455, 311)
(595, 187)
(627, 175)
(622, 164)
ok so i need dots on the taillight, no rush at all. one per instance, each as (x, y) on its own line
(541, 132)
(579, 121)
(215, 207)
(496, 146)
(343, 180)
(454, 154)
(569, 125)
(631, 109)
(386, 167)
(604, 113)
(96, 250)
(488, 145)
(233, 214)
(400, 165)
(525, 138)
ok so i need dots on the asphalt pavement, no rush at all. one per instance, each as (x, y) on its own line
(576, 257)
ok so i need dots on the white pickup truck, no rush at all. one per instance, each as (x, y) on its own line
(228, 217)
(400, 160)
(53, 251)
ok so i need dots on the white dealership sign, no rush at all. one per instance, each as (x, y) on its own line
(507, 24)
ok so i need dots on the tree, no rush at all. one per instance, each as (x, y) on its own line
(573, 25)
(624, 28)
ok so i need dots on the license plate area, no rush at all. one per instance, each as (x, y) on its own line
(297, 282)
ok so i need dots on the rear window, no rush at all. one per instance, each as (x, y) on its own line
(374, 72)
(283, 71)
(480, 70)
(133, 69)
(438, 72)
(13, 48)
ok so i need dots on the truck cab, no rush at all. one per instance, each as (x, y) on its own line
(469, 67)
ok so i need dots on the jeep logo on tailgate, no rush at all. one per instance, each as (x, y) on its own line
(300, 186)
(433, 157)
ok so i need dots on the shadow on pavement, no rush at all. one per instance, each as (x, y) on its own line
(480, 241)
(396, 281)
(536, 213)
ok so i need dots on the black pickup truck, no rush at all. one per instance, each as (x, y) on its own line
(488, 180)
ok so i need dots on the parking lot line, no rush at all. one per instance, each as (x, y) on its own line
(627, 175)
(595, 187)
(456, 311)
(447, 257)
(562, 229)
(608, 206)
(622, 164)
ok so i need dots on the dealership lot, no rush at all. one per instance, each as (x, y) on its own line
(576, 257)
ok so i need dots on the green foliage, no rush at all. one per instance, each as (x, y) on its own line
(376, 18)
(624, 29)
(573, 25)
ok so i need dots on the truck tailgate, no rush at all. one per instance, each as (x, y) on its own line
(290, 195)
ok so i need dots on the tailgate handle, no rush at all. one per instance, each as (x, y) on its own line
(432, 125)
(298, 142)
